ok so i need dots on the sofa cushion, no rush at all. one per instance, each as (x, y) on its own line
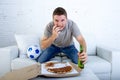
(90, 42)
(21, 62)
(24, 41)
(98, 65)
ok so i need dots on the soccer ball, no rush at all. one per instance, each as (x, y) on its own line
(33, 51)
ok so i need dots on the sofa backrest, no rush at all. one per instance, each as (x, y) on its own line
(91, 43)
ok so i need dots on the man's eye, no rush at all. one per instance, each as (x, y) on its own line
(62, 20)
(56, 20)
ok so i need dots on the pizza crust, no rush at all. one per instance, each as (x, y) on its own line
(49, 64)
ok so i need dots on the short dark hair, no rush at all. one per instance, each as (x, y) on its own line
(60, 11)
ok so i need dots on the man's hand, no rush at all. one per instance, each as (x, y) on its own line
(55, 31)
(47, 41)
(83, 57)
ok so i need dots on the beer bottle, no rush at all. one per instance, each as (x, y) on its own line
(80, 63)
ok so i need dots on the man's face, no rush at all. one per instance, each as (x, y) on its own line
(60, 21)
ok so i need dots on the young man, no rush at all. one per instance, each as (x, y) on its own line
(58, 37)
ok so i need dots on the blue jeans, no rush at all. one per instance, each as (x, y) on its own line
(51, 51)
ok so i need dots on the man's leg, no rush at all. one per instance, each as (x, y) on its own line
(72, 53)
(48, 53)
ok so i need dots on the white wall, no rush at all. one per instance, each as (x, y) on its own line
(94, 17)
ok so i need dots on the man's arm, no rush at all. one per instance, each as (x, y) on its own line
(82, 42)
(47, 41)
(83, 55)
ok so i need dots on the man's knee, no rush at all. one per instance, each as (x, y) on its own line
(41, 59)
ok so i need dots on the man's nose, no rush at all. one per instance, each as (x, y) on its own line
(59, 23)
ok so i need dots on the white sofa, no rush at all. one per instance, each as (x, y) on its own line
(103, 61)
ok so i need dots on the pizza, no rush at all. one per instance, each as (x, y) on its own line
(49, 64)
(59, 70)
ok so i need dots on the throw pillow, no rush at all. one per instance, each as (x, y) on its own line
(25, 40)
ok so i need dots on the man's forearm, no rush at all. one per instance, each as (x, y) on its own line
(84, 46)
(82, 42)
(47, 42)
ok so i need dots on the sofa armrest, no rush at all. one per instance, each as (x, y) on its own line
(105, 53)
(113, 56)
(115, 65)
(13, 50)
(6, 55)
